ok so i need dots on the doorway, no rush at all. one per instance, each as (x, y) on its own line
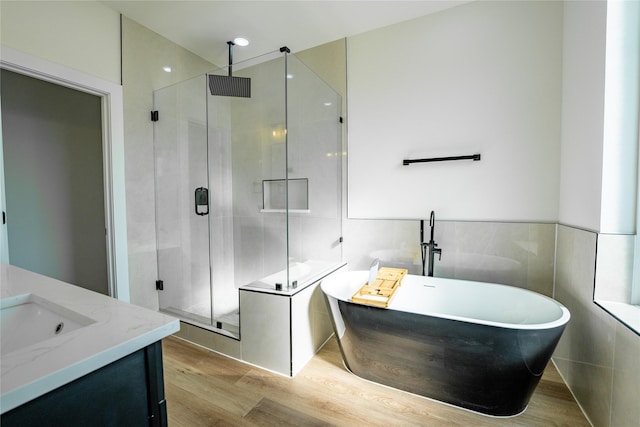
(54, 180)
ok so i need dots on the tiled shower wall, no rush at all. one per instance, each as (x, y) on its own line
(144, 53)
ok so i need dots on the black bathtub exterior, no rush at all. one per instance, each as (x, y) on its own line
(487, 369)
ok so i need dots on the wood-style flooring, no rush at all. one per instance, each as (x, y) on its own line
(204, 388)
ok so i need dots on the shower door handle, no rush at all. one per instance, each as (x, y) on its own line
(201, 201)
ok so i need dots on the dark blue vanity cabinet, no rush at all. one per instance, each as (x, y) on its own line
(127, 392)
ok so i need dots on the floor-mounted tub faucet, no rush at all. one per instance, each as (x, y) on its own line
(431, 247)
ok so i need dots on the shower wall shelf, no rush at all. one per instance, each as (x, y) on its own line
(279, 195)
(474, 157)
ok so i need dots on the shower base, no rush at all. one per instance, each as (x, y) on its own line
(227, 324)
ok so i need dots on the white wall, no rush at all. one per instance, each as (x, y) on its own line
(484, 77)
(582, 114)
(83, 35)
(620, 139)
(598, 152)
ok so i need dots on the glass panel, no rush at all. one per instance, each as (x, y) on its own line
(180, 145)
(247, 147)
(225, 300)
(245, 195)
(314, 149)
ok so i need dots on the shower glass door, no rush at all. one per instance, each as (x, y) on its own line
(250, 136)
(248, 188)
(182, 200)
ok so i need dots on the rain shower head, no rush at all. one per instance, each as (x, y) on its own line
(230, 85)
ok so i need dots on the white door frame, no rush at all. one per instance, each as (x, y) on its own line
(113, 153)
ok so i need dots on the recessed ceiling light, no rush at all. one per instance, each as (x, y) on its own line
(166, 69)
(289, 76)
(328, 104)
(240, 41)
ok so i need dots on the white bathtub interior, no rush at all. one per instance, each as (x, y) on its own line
(478, 302)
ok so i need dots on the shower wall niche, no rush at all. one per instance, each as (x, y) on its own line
(247, 188)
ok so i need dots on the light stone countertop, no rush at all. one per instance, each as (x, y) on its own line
(119, 330)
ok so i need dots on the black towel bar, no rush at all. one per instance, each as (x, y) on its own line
(474, 157)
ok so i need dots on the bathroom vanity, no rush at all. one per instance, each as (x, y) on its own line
(73, 357)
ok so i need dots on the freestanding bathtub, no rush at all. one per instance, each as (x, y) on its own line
(479, 346)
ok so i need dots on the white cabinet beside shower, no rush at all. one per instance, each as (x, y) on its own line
(282, 331)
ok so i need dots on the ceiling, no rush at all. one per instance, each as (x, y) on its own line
(204, 27)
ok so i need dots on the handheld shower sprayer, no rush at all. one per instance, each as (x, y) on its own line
(431, 246)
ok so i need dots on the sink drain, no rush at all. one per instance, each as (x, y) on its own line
(59, 327)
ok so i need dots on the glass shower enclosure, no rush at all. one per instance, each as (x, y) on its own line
(248, 186)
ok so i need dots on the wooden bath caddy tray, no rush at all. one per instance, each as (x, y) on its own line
(380, 292)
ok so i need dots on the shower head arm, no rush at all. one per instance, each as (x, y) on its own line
(231, 44)
(221, 85)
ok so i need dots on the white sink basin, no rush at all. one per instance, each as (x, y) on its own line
(29, 319)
